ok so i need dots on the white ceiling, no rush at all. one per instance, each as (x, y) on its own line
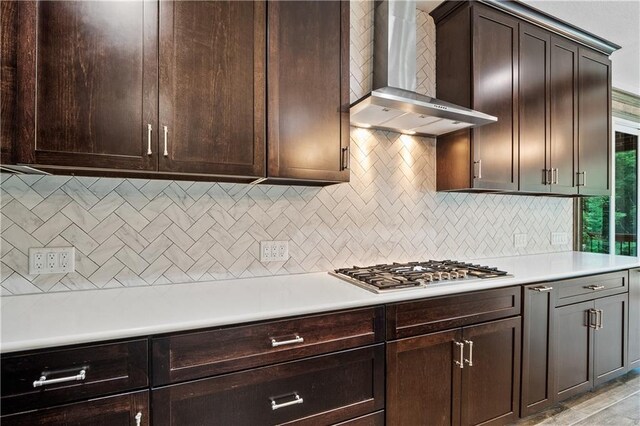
(614, 20)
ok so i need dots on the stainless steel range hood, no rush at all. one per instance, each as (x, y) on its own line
(393, 104)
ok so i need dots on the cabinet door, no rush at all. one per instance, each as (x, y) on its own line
(610, 338)
(423, 379)
(308, 107)
(574, 349)
(564, 114)
(495, 91)
(87, 79)
(120, 410)
(491, 377)
(634, 318)
(537, 349)
(533, 104)
(212, 99)
(594, 123)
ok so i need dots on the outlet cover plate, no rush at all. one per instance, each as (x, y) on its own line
(559, 238)
(274, 251)
(52, 260)
(520, 240)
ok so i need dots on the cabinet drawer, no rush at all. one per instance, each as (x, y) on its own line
(108, 368)
(321, 390)
(195, 355)
(119, 410)
(441, 313)
(592, 287)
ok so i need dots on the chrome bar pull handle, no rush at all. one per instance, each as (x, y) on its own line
(592, 314)
(584, 179)
(346, 158)
(275, 343)
(43, 381)
(600, 315)
(554, 176)
(479, 163)
(545, 177)
(296, 400)
(470, 360)
(166, 132)
(595, 287)
(460, 363)
(542, 288)
(138, 419)
(149, 139)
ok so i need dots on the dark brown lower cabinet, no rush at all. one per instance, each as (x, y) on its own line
(591, 344)
(634, 318)
(121, 410)
(538, 348)
(466, 376)
(320, 390)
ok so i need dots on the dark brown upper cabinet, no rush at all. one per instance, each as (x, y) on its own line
(477, 67)
(86, 84)
(548, 106)
(212, 94)
(594, 123)
(308, 86)
(551, 96)
(178, 90)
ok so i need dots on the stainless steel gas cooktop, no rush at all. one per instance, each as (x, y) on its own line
(405, 276)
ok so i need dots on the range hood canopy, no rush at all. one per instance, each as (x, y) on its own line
(394, 104)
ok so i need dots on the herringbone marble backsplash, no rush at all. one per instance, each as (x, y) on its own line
(132, 232)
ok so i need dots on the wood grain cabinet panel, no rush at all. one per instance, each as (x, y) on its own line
(634, 318)
(591, 343)
(466, 376)
(538, 348)
(495, 79)
(563, 122)
(121, 410)
(594, 123)
(109, 368)
(308, 86)
(87, 84)
(194, 355)
(317, 391)
(441, 313)
(533, 103)
(212, 94)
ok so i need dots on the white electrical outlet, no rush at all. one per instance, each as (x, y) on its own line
(520, 240)
(274, 251)
(52, 260)
(559, 238)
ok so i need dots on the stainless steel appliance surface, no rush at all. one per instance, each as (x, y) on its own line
(406, 276)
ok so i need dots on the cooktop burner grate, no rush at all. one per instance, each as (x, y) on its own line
(402, 276)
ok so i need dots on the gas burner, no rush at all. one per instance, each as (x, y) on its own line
(402, 276)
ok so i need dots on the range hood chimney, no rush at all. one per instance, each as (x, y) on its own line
(394, 104)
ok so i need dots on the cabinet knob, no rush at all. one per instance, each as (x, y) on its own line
(138, 419)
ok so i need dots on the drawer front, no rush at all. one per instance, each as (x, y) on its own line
(586, 288)
(195, 355)
(321, 390)
(441, 313)
(108, 368)
(120, 410)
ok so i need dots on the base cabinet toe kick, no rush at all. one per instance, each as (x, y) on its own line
(485, 357)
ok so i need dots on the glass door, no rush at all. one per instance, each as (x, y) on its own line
(610, 224)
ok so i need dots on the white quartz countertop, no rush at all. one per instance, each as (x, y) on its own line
(56, 319)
